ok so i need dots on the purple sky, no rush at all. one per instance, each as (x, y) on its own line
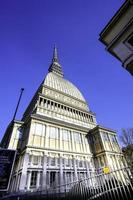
(28, 31)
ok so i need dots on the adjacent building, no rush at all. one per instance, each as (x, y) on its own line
(58, 140)
(118, 35)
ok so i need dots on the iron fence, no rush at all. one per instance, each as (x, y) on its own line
(115, 185)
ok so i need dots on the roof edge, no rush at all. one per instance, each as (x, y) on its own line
(113, 19)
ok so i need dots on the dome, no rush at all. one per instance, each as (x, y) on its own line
(57, 82)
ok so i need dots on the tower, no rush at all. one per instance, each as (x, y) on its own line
(54, 137)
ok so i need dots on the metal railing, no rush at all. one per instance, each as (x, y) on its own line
(115, 185)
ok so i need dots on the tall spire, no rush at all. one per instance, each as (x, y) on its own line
(55, 54)
(55, 66)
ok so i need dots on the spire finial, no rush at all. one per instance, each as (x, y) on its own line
(55, 67)
(55, 54)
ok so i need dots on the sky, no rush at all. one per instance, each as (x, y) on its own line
(28, 31)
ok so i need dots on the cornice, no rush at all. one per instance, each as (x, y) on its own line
(103, 128)
(113, 20)
(108, 152)
(58, 150)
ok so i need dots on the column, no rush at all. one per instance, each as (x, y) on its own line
(56, 178)
(46, 136)
(60, 139)
(28, 180)
(38, 180)
(72, 177)
(111, 144)
(107, 161)
(23, 178)
(87, 163)
(44, 172)
(75, 169)
(57, 141)
(117, 162)
(73, 145)
(61, 170)
(83, 142)
(103, 144)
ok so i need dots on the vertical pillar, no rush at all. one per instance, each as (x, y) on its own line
(111, 143)
(60, 139)
(71, 176)
(24, 172)
(44, 172)
(46, 136)
(61, 170)
(103, 144)
(73, 145)
(28, 180)
(117, 162)
(83, 142)
(38, 180)
(75, 169)
(56, 178)
(57, 138)
(87, 166)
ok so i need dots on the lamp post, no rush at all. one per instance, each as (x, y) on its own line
(21, 92)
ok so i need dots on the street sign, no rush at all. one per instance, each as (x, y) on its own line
(7, 158)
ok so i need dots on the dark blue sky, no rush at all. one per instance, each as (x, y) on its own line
(28, 31)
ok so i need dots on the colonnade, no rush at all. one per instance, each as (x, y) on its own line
(45, 104)
(46, 176)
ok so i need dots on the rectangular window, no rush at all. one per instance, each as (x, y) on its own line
(35, 160)
(81, 175)
(113, 139)
(77, 137)
(38, 130)
(86, 140)
(67, 162)
(105, 136)
(53, 133)
(66, 135)
(68, 177)
(52, 161)
(80, 163)
(33, 179)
